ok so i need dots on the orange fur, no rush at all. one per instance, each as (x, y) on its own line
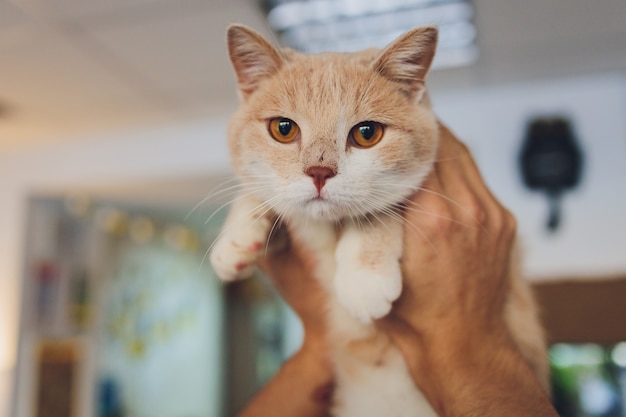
(354, 230)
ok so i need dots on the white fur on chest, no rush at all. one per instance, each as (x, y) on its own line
(372, 377)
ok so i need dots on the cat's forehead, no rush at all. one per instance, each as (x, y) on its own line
(331, 71)
(328, 85)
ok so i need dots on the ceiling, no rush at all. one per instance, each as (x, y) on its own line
(71, 68)
(74, 67)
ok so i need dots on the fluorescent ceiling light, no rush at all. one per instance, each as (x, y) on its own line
(350, 25)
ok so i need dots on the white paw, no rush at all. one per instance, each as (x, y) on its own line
(368, 294)
(235, 253)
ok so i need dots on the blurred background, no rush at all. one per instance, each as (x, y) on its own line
(112, 146)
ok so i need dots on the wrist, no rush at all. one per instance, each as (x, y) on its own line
(433, 355)
(457, 349)
(313, 360)
(315, 350)
(482, 365)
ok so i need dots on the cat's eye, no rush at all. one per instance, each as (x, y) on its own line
(366, 134)
(283, 130)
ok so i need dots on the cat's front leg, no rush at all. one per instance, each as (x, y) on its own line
(243, 238)
(368, 277)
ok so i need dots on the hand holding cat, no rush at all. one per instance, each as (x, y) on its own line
(457, 248)
(449, 322)
(304, 384)
(291, 273)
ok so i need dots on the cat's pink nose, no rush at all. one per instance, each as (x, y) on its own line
(320, 175)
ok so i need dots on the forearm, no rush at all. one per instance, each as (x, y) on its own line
(301, 388)
(483, 378)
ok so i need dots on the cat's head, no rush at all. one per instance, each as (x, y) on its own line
(332, 135)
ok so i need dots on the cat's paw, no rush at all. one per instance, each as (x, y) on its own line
(368, 294)
(235, 253)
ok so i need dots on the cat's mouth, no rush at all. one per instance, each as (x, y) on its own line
(318, 200)
(321, 207)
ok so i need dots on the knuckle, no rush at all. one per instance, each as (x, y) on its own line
(463, 147)
(434, 222)
(504, 221)
(442, 219)
(477, 210)
(442, 224)
(510, 221)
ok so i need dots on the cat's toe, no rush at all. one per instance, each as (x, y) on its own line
(372, 310)
(235, 255)
(230, 265)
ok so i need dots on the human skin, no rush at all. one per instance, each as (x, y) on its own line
(303, 385)
(448, 322)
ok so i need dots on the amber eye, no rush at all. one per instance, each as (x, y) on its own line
(283, 130)
(366, 134)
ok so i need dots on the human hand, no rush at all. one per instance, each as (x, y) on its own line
(449, 321)
(291, 271)
(457, 247)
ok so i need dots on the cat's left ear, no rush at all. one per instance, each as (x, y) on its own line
(407, 60)
(252, 56)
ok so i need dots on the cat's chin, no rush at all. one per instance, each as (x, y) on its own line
(322, 209)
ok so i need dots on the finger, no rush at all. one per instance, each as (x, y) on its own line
(462, 182)
(281, 258)
(425, 199)
(431, 207)
(424, 212)
(479, 201)
(456, 166)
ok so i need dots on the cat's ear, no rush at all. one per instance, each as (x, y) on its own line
(252, 56)
(407, 59)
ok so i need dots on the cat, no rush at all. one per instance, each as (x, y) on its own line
(332, 144)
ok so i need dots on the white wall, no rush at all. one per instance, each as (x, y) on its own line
(491, 120)
(5, 391)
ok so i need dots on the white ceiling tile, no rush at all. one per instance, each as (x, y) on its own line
(52, 88)
(50, 70)
(19, 36)
(180, 55)
(533, 22)
(215, 101)
(555, 58)
(16, 27)
(76, 8)
(537, 39)
(11, 15)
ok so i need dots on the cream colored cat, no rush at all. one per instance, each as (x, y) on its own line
(332, 144)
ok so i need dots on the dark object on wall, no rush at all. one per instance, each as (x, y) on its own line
(551, 161)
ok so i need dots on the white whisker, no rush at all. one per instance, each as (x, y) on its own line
(220, 191)
(239, 197)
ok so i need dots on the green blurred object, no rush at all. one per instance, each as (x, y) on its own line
(586, 381)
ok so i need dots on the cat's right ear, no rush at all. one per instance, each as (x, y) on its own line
(252, 56)
(407, 60)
